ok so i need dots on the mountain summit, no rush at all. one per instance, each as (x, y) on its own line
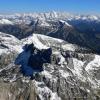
(41, 67)
(49, 56)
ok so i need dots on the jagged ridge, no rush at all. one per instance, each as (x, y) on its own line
(72, 73)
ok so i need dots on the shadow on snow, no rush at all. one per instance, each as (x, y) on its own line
(32, 59)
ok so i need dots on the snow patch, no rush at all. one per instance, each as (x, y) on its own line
(45, 92)
(69, 47)
(93, 64)
(78, 64)
(34, 39)
(47, 74)
(66, 23)
(64, 73)
(6, 21)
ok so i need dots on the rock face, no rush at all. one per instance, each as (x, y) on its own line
(34, 59)
(69, 72)
(41, 57)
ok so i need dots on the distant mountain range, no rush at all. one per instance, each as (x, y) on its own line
(83, 30)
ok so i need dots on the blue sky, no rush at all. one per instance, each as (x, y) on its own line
(73, 6)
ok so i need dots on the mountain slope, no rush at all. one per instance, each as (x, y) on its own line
(83, 30)
(72, 72)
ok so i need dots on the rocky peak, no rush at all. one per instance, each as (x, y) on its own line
(67, 73)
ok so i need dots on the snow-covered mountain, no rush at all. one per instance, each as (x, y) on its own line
(49, 56)
(68, 71)
(18, 18)
(74, 28)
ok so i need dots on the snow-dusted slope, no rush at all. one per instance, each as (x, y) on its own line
(44, 42)
(9, 43)
(6, 21)
(65, 22)
(71, 74)
(39, 41)
(35, 40)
